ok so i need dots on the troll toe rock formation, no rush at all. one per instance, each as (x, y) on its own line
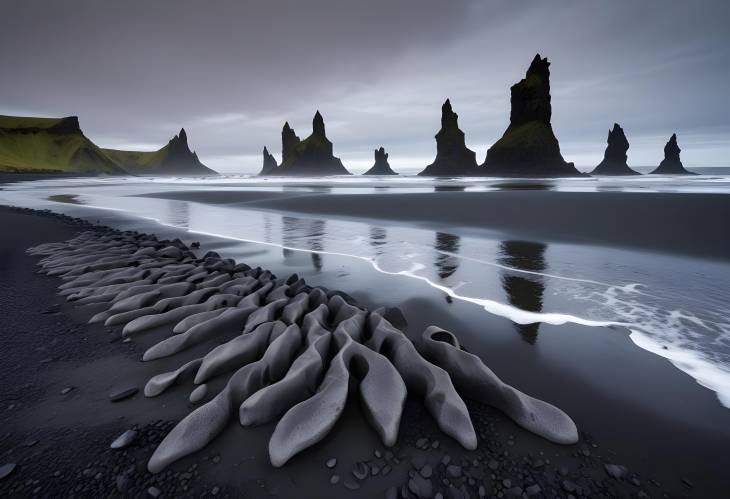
(381, 166)
(528, 146)
(453, 158)
(270, 166)
(288, 352)
(311, 156)
(614, 159)
(671, 164)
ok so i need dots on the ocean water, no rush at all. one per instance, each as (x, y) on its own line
(676, 307)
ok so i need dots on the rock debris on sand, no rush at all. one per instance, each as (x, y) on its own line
(124, 440)
(122, 394)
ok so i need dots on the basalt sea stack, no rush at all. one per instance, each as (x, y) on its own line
(175, 158)
(671, 164)
(270, 166)
(614, 159)
(452, 155)
(381, 166)
(311, 156)
(528, 146)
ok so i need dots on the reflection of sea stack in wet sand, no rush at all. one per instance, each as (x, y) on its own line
(528, 146)
(452, 155)
(270, 166)
(671, 164)
(614, 159)
(381, 166)
(311, 156)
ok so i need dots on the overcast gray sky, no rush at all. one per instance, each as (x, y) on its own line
(231, 72)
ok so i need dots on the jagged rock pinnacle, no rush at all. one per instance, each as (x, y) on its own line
(528, 146)
(671, 164)
(452, 155)
(381, 166)
(318, 125)
(270, 166)
(311, 156)
(614, 159)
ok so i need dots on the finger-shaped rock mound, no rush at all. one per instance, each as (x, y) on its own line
(289, 351)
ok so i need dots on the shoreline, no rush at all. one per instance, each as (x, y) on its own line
(488, 420)
(681, 224)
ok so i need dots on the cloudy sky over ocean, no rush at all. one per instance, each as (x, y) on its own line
(231, 73)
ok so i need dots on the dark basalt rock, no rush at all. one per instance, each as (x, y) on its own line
(614, 159)
(311, 156)
(453, 158)
(381, 166)
(180, 159)
(528, 146)
(671, 164)
(289, 142)
(270, 166)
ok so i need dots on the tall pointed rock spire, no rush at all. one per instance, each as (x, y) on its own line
(671, 164)
(528, 146)
(614, 159)
(452, 155)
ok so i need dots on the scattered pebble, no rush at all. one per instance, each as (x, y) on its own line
(454, 470)
(154, 491)
(6, 469)
(124, 440)
(426, 471)
(349, 484)
(334, 479)
(533, 490)
(66, 390)
(420, 486)
(616, 470)
(332, 462)
(122, 394)
(361, 471)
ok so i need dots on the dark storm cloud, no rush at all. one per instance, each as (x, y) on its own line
(232, 72)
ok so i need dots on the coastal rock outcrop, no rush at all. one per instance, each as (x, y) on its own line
(453, 158)
(528, 146)
(671, 164)
(381, 166)
(287, 352)
(614, 159)
(175, 158)
(289, 142)
(311, 156)
(50, 145)
(270, 165)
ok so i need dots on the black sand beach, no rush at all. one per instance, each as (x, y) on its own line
(60, 442)
(691, 224)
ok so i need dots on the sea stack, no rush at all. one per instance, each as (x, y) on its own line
(453, 158)
(614, 159)
(381, 166)
(175, 158)
(311, 156)
(180, 158)
(270, 166)
(528, 147)
(671, 164)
